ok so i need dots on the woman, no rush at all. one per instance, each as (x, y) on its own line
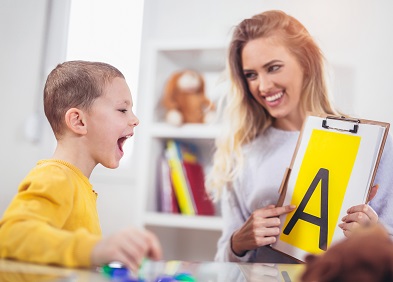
(277, 74)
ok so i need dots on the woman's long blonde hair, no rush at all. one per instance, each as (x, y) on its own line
(243, 117)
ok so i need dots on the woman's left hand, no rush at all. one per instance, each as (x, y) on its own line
(359, 215)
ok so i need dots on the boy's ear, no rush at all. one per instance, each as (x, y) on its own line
(75, 121)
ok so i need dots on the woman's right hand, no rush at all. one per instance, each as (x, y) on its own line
(260, 229)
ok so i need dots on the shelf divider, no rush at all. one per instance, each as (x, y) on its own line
(213, 223)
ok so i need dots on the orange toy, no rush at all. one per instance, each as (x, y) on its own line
(184, 99)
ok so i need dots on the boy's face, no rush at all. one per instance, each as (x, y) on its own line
(110, 122)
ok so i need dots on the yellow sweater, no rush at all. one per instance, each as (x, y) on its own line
(53, 218)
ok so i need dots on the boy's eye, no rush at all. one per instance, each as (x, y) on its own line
(123, 111)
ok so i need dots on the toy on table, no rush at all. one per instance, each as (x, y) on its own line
(117, 272)
(178, 277)
(184, 99)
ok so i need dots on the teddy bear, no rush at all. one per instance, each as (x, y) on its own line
(365, 256)
(184, 99)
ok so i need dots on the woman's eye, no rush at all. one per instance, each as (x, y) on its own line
(123, 111)
(250, 75)
(274, 68)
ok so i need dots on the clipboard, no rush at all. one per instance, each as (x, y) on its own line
(333, 168)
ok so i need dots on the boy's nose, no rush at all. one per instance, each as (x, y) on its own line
(134, 121)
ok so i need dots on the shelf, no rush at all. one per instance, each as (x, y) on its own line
(186, 131)
(196, 55)
(159, 60)
(213, 223)
(180, 45)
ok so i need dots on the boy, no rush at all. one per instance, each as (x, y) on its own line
(53, 218)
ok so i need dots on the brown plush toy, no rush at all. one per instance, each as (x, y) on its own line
(184, 99)
(366, 256)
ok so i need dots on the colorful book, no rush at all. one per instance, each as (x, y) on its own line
(194, 180)
(178, 177)
(167, 201)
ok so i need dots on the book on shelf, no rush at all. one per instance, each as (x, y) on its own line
(178, 178)
(196, 180)
(187, 178)
(167, 201)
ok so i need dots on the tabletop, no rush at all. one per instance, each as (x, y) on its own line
(154, 271)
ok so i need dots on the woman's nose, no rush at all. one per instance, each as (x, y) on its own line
(265, 84)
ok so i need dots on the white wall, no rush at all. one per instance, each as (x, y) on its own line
(22, 26)
(33, 42)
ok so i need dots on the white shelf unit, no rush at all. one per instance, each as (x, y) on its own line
(183, 237)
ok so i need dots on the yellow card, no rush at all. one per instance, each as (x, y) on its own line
(319, 190)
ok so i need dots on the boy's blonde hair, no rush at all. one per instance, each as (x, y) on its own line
(74, 84)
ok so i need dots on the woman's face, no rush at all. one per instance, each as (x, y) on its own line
(275, 80)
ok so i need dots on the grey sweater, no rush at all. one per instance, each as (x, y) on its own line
(265, 161)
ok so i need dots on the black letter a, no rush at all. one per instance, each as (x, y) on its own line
(322, 222)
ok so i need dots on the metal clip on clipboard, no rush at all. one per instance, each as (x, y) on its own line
(342, 118)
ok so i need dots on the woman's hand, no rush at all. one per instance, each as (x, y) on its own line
(260, 229)
(359, 215)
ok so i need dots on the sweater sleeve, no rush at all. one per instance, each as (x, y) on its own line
(31, 228)
(382, 202)
(233, 220)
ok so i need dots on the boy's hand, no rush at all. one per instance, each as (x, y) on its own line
(129, 246)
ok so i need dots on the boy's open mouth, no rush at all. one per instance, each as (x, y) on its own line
(122, 140)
